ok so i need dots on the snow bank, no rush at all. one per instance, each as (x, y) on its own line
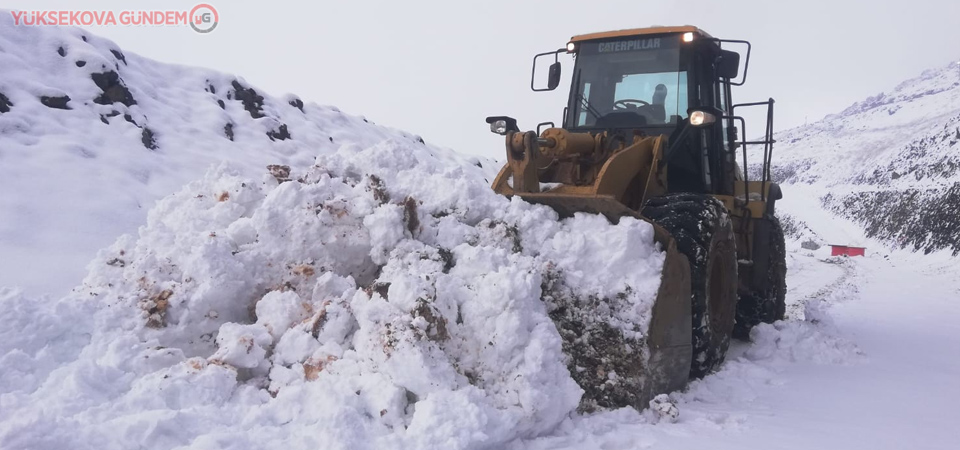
(382, 297)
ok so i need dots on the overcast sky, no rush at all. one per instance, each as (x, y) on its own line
(438, 68)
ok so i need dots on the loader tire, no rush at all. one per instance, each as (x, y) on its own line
(703, 232)
(769, 305)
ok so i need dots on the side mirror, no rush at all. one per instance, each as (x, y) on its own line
(728, 64)
(553, 78)
(553, 72)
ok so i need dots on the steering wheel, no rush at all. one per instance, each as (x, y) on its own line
(629, 103)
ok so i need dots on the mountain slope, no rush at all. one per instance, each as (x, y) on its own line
(890, 162)
(91, 137)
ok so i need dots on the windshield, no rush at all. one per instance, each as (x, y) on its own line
(630, 82)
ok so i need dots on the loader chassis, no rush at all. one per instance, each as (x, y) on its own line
(650, 129)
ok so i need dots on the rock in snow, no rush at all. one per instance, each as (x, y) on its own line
(664, 408)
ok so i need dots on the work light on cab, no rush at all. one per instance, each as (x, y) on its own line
(701, 118)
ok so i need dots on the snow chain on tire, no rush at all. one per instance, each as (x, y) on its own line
(704, 233)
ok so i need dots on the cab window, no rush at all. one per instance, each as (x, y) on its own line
(635, 81)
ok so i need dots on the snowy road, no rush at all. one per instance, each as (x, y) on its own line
(907, 323)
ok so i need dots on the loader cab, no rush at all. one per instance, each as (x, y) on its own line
(667, 86)
(634, 82)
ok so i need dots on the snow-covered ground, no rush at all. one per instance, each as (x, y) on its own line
(370, 291)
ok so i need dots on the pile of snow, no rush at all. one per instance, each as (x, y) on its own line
(378, 298)
(91, 137)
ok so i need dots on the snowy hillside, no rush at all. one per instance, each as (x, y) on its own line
(91, 137)
(890, 162)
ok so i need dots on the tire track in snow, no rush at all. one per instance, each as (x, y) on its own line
(842, 289)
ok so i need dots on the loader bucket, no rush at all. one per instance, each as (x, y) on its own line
(668, 341)
(660, 362)
(669, 335)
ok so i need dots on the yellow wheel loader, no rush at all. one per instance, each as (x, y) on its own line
(650, 131)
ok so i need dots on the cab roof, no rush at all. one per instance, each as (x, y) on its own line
(639, 32)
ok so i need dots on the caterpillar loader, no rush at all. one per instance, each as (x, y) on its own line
(650, 131)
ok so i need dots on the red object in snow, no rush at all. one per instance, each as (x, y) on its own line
(846, 250)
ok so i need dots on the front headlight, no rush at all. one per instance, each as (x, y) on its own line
(502, 124)
(701, 118)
